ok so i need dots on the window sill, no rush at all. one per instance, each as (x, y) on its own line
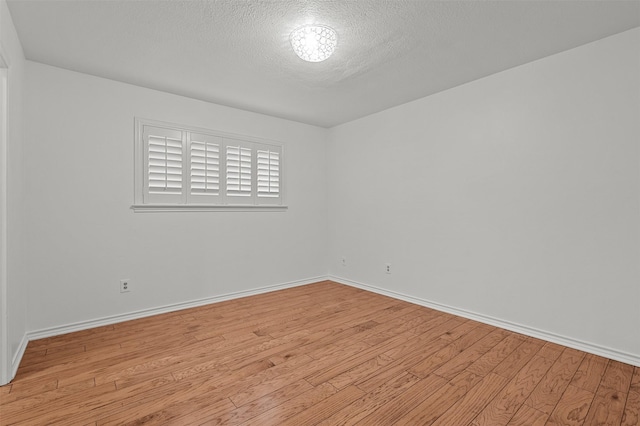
(146, 208)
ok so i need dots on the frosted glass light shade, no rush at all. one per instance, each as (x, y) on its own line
(314, 43)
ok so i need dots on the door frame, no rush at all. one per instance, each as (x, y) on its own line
(5, 355)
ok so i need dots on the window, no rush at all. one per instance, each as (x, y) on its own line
(182, 168)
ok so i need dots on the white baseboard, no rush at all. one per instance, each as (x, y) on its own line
(17, 357)
(114, 319)
(507, 325)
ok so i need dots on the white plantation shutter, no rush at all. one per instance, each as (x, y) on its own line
(205, 168)
(178, 168)
(268, 174)
(239, 179)
(164, 153)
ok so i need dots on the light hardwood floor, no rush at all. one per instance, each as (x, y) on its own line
(317, 354)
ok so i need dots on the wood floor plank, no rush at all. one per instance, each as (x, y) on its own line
(257, 389)
(590, 373)
(631, 416)
(272, 347)
(63, 351)
(254, 386)
(303, 402)
(487, 362)
(225, 352)
(635, 380)
(337, 369)
(68, 371)
(6, 389)
(430, 364)
(248, 411)
(572, 408)
(551, 351)
(193, 411)
(52, 342)
(380, 376)
(333, 350)
(507, 402)
(22, 389)
(55, 410)
(325, 408)
(372, 401)
(527, 416)
(324, 354)
(24, 401)
(510, 366)
(435, 329)
(104, 404)
(91, 404)
(608, 406)
(170, 405)
(468, 356)
(473, 402)
(293, 323)
(32, 356)
(547, 393)
(411, 353)
(617, 376)
(143, 403)
(359, 371)
(388, 415)
(433, 406)
(418, 321)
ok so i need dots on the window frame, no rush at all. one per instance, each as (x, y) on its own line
(144, 201)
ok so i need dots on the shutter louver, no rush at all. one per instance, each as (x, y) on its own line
(268, 174)
(205, 168)
(165, 165)
(238, 162)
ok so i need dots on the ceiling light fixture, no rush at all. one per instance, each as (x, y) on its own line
(314, 43)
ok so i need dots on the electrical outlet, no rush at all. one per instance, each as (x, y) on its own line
(344, 261)
(125, 285)
(388, 268)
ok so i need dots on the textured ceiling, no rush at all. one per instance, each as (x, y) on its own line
(237, 52)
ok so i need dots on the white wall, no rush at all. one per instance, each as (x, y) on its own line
(16, 282)
(516, 196)
(83, 237)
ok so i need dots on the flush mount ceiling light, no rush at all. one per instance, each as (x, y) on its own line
(314, 43)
